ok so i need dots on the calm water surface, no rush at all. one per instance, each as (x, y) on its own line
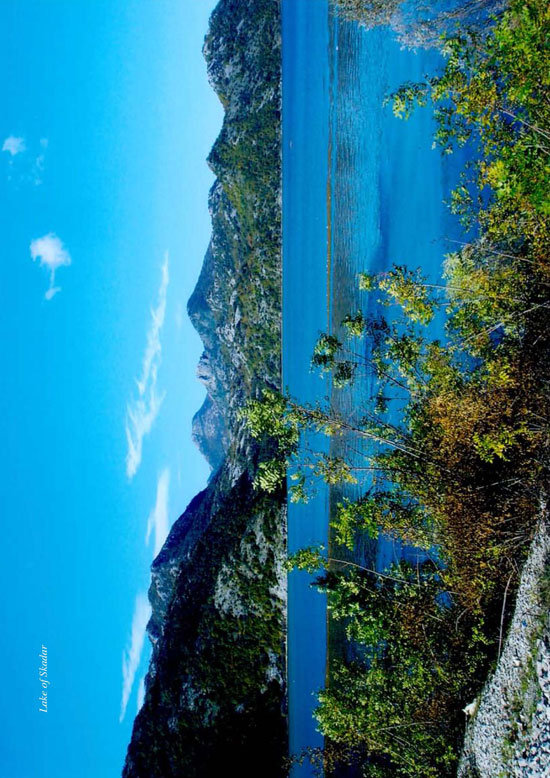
(361, 191)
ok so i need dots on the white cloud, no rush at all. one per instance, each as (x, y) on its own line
(52, 291)
(14, 145)
(140, 417)
(38, 170)
(142, 411)
(158, 518)
(52, 254)
(29, 167)
(132, 656)
(140, 695)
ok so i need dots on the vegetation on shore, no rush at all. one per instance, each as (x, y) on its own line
(454, 439)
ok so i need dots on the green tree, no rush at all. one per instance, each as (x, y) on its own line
(398, 697)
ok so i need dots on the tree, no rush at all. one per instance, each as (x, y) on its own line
(394, 702)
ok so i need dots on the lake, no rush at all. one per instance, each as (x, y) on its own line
(361, 190)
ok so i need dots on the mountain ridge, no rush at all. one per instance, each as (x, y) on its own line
(215, 688)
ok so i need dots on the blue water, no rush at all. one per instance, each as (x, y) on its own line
(361, 190)
(305, 139)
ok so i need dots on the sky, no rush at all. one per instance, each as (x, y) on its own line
(107, 119)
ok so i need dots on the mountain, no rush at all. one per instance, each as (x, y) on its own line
(215, 690)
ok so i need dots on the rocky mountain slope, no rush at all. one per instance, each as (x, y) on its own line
(215, 690)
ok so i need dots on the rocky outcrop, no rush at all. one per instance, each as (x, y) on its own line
(209, 430)
(215, 690)
(510, 733)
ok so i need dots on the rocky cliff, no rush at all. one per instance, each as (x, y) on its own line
(215, 690)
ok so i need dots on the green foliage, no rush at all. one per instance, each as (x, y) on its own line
(399, 700)
(269, 417)
(407, 288)
(353, 517)
(383, 511)
(270, 475)
(334, 470)
(309, 559)
(299, 492)
(325, 357)
(497, 443)
(366, 282)
(324, 353)
(407, 98)
(343, 374)
(355, 325)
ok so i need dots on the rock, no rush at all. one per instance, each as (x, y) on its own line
(519, 681)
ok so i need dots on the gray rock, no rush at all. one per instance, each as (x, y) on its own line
(510, 733)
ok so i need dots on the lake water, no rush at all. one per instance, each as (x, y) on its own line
(361, 191)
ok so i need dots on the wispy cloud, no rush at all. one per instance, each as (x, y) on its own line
(14, 145)
(26, 162)
(51, 252)
(158, 518)
(140, 695)
(143, 410)
(140, 416)
(132, 656)
(52, 291)
(38, 169)
(158, 524)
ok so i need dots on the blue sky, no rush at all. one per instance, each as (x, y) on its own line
(106, 121)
